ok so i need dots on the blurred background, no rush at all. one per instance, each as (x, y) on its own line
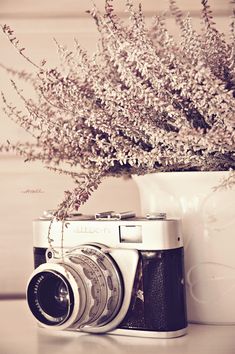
(26, 189)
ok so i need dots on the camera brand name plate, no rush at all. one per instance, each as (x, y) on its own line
(139, 234)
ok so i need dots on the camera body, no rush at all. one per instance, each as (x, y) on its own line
(112, 272)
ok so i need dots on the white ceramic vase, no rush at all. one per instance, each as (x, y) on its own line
(208, 219)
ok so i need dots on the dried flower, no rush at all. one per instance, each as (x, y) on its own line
(142, 103)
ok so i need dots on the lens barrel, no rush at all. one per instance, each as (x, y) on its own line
(84, 288)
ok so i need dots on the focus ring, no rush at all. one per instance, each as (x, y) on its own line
(102, 282)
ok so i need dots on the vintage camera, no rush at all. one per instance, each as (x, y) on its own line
(112, 272)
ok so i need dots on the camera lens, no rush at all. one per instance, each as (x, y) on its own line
(84, 289)
(50, 297)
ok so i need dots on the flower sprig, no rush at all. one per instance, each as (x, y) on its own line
(142, 103)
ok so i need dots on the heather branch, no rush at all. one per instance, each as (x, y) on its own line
(15, 42)
(142, 103)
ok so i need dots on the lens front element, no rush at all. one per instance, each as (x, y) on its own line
(50, 297)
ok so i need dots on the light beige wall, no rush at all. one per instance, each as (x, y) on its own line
(27, 189)
(71, 8)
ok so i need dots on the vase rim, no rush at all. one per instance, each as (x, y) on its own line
(182, 173)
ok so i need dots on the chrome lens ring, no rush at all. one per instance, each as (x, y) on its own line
(94, 285)
(35, 295)
(103, 282)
